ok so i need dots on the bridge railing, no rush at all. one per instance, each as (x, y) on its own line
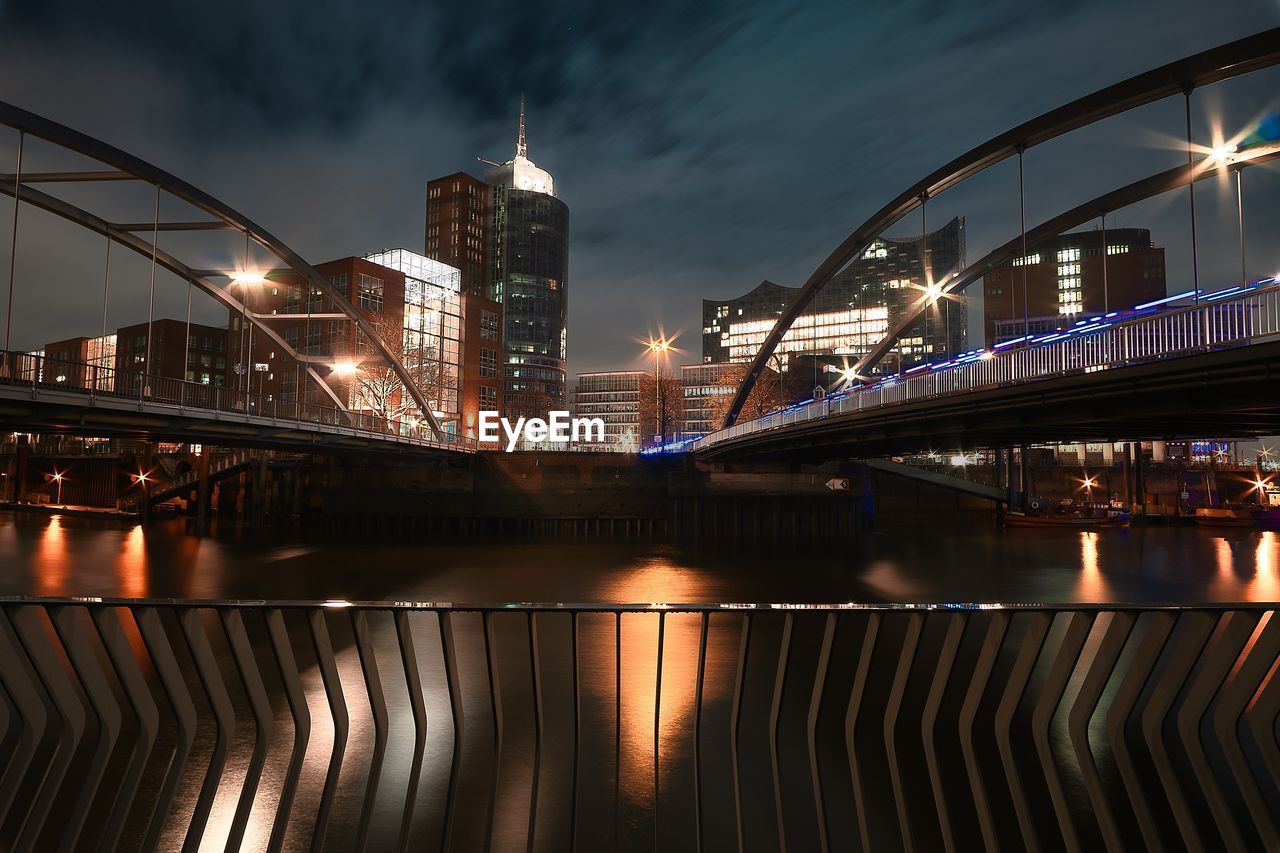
(1230, 319)
(151, 724)
(41, 373)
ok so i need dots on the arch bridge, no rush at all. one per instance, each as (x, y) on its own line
(40, 395)
(1198, 363)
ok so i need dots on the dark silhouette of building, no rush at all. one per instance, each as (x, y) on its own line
(193, 352)
(1065, 282)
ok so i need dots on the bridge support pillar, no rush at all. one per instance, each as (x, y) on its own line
(1139, 481)
(1127, 463)
(148, 465)
(260, 489)
(203, 496)
(1024, 475)
(20, 460)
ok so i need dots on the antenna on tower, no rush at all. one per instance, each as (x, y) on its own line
(522, 149)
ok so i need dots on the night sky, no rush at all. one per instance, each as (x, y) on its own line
(701, 147)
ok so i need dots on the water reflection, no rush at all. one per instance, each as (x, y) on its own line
(131, 564)
(1093, 585)
(73, 556)
(51, 570)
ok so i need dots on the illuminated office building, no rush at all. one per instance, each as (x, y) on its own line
(528, 268)
(1066, 282)
(854, 310)
(614, 397)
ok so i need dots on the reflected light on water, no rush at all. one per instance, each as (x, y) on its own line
(1092, 587)
(1226, 560)
(51, 572)
(1266, 584)
(131, 564)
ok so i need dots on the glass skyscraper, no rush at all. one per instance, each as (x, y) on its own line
(528, 276)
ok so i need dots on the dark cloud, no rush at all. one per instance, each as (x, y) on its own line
(701, 147)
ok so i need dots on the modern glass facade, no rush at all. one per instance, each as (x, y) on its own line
(432, 325)
(855, 309)
(529, 276)
(530, 279)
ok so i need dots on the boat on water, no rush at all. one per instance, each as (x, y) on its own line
(1070, 519)
(1244, 515)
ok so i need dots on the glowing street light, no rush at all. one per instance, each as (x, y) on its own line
(934, 291)
(345, 368)
(658, 347)
(1087, 484)
(57, 478)
(246, 278)
(1220, 153)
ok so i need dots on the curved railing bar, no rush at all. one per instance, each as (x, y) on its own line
(74, 140)
(1161, 182)
(1248, 54)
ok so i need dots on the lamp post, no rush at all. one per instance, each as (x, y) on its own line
(57, 478)
(658, 347)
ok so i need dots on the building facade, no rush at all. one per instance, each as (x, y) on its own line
(458, 228)
(83, 362)
(193, 352)
(309, 322)
(614, 397)
(1067, 280)
(706, 390)
(855, 309)
(432, 327)
(528, 271)
(481, 366)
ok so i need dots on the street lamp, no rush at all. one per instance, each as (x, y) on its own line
(57, 478)
(1087, 484)
(658, 347)
(245, 278)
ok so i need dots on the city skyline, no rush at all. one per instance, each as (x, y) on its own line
(700, 148)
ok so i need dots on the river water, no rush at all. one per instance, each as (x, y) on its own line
(601, 791)
(52, 556)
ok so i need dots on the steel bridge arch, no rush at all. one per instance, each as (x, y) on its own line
(131, 168)
(1261, 50)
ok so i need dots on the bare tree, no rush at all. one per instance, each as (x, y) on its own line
(768, 394)
(661, 406)
(377, 388)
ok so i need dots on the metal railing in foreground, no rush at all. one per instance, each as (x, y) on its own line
(161, 724)
(1228, 318)
(50, 377)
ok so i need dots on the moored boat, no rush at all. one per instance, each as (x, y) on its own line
(1069, 519)
(1247, 515)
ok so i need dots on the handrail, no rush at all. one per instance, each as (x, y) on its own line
(44, 374)
(1218, 320)
(152, 724)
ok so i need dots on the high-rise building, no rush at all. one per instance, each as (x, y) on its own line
(1066, 281)
(854, 310)
(458, 228)
(528, 268)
